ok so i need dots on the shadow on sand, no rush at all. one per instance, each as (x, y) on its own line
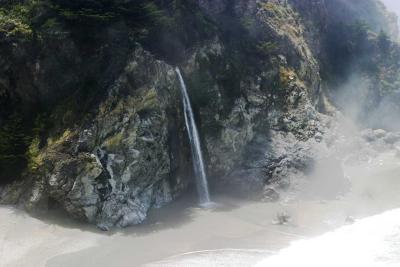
(170, 216)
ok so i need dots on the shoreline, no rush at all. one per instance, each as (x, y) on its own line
(181, 227)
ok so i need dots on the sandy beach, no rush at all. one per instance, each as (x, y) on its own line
(235, 233)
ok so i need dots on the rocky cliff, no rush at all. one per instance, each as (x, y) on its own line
(91, 117)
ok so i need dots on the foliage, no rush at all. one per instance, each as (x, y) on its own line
(114, 142)
(286, 75)
(355, 49)
(384, 42)
(33, 156)
(201, 86)
(178, 25)
(15, 19)
(20, 145)
(275, 9)
(347, 48)
(13, 143)
(267, 48)
(95, 11)
(164, 27)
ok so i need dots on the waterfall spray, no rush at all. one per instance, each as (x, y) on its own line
(198, 162)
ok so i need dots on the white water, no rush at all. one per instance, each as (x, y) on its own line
(240, 234)
(370, 242)
(198, 162)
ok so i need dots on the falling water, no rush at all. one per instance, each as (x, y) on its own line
(198, 163)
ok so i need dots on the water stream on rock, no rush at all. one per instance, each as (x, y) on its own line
(237, 233)
(198, 162)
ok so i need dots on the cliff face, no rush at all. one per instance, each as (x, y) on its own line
(93, 123)
(121, 160)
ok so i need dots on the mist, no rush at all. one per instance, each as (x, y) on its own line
(393, 6)
(358, 100)
(199, 133)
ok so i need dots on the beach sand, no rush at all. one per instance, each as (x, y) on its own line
(236, 232)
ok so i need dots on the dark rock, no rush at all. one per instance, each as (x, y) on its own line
(282, 218)
(270, 195)
(116, 146)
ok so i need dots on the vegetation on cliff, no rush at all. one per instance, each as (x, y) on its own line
(73, 71)
(167, 28)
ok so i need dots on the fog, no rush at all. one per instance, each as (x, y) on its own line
(330, 210)
(393, 5)
(357, 98)
(238, 233)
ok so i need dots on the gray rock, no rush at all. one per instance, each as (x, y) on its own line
(270, 195)
(256, 109)
(114, 170)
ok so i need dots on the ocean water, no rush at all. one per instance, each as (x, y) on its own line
(369, 242)
(236, 233)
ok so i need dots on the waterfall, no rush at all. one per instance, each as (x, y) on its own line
(198, 163)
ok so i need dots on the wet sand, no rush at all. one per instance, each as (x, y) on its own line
(235, 233)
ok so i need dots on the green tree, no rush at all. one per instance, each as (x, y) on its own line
(384, 42)
(13, 144)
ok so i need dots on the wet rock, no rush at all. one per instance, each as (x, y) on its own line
(282, 218)
(270, 195)
(256, 110)
(103, 227)
(288, 158)
(392, 138)
(116, 168)
(11, 193)
(318, 137)
(85, 142)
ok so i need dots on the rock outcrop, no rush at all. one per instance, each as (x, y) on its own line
(259, 81)
(121, 161)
